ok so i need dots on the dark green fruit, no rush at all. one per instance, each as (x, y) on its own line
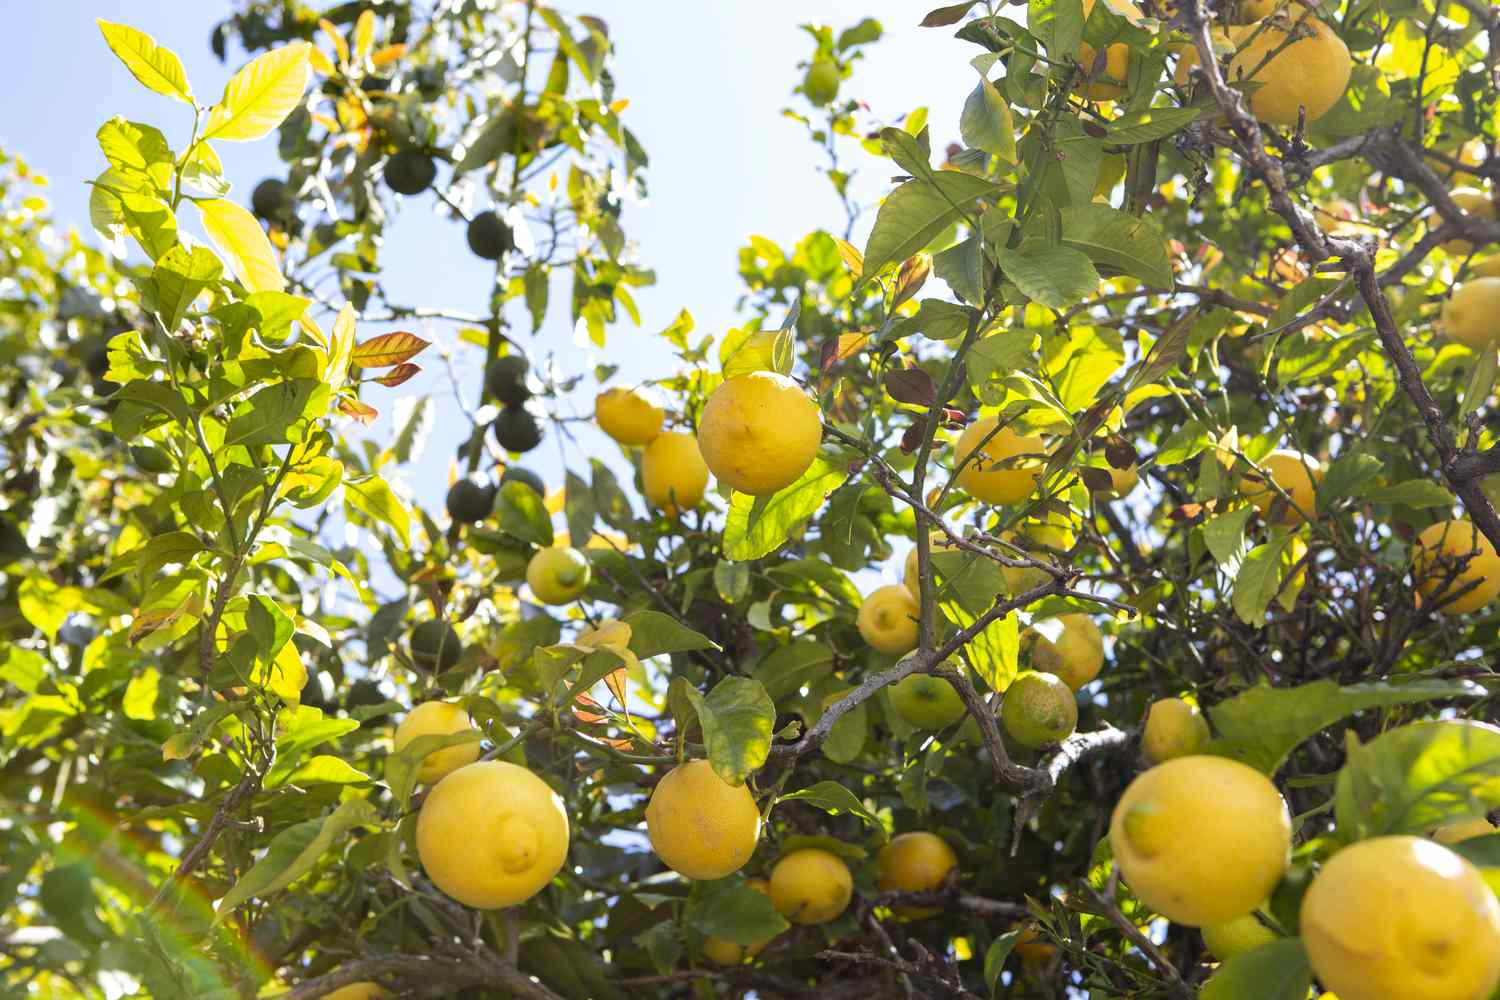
(410, 172)
(270, 199)
(470, 501)
(516, 474)
(151, 459)
(506, 379)
(489, 236)
(96, 362)
(436, 646)
(517, 429)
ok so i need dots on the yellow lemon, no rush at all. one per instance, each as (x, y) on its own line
(701, 826)
(1297, 475)
(1047, 540)
(1395, 918)
(1033, 948)
(888, 620)
(1122, 482)
(1472, 313)
(811, 886)
(759, 432)
(1450, 556)
(1233, 937)
(1489, 267)
(1463, 829)
(492, 834)
(1251, 11)
(721, 952)
(1473, 202)
(1075, 656)
(1173, 729)
(357, 991)
(631, 416)
(1039, 710)
(1310, 73)
(936, 542)
(673, 473)
(558, 574)
(438, 718)
(1201, 840)
(988, 476)
(1187, 53)
(914, 862)
(1109, 83)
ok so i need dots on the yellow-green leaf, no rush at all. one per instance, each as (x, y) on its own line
(155, 66)
(239, 237)
(260, 96)
(140, 695)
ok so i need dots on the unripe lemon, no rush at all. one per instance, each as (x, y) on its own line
(1297, 475)
(1242, 934)
(357, 991)
(1395, 918)
(701, 826)
(1310, 73)
(821, 84)
(721, 952)
(888, 620)
(936, 542)
(926, 701)
(1077, 654)
(631, 416)
(1039, 710)
(1116, 57)
(558, 574)
(914, 862)
(1472, 314)
(811, 886)
(1463, 829)
(1173, 729)
(1201, 840)
(1473, 202)
(984, 477)
(492, 834)
(759, 432)
(1440, 551)
(673, 473)
(438, 718)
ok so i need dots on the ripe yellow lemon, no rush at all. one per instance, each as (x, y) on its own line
(1046, 540)
(357, 991)
(1039, 710)
(914, 862)
(721, 952)
(1394, 918)
(926, 702)
(1489, 267)
(936, 542)
(1310, 73)
(434, 718)
(1187, 53)
(1201, 840)
(1450, 556)
(1109, 84)
(1033, 948)
(1463, 829)
(888, 620)
(701, 826)
(558, 574)
(1233, 937)
(1173, 729)
(1253, 10)
(1472, 314)
(1297, 475)
(1122, 482)
(1473, 202)
(492, 834)
(988, 476)
(759, 432)
(631, 416)
(673, 473)
(811, 886)
(1075, 656)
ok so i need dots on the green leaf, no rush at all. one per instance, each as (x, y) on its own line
(325, 769)
(1080, 365)
(1058, 24)
(995, 956)
(786, 669)
(1417, 777)
(522, 514)
(1118, 241)
(962, 267)
(271, 414)
(239, 238)
(834, 799)
(260, 96)
(1261, 725)
(578, 508)
(372, 496)
(146, 217)
(1483, 853)
(968, 586)
(1275, 971)
(136, 149)
(758, 526)
(140, 695)
(917, 212)
(986, 122)
(732, 580)
(846, 740)
(737, 717)
(732, 911)
(1053, 276)
(1413, 493)
(402, 767)
(1225, 536)
(180, 275)
(1346, 477)
(1259, 579)
(1149, 124)
(154, 66)
(936, 319)
(1481, 380)
(865, 31)
(653, 633)
(294, 852)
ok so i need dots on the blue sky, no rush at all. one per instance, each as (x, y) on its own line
(706, 97)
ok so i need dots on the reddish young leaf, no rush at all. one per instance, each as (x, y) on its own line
(911, 385)
(399, 374)
(951, 14)
(1120, 453)
(388, 349)
(363, 412)
(911, 439)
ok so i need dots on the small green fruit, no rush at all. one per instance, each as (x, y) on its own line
(821, 85)
(436, 646)
(489, 236)
(517, 429)
(469, 501)
(410, 172)
(506, 379)
(270, 199)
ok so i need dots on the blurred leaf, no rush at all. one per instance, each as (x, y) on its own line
(786, 669)
(996, 955)
(1413, 493)
(1274, 971)
(1415, 778)
(1345, 477)
(523, 515)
